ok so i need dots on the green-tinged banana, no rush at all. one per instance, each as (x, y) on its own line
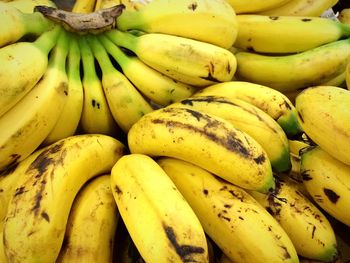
(249, 119)
(186, 60)
(27, 6)
(37, 214)
(26, 125)
(327, 180)
(211, 21)
(234, 220)
(22, 65)
(84, 6)
(323, 112)
(68, 121)
(344, 16)
(96, 115)
(154, 85)
(91, 225)
(308, 228)
(291, 72)
(301, 8)
(125, 102)
(205, 140)
(287, 34)
(173, 232)
(271, 101)
(242, 6)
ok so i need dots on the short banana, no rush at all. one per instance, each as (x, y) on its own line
(38, 211)
(205, 140)
(237, 223)
(84, 6)
(344, 16)
(91, 224)
(287, 34)
(27, 6)
(291, 72)
(146, 196)
(323, 114)
(271, 101)
(327, 180)
(242, 6)
(125, 102)
(36, 114)
(186, 60)
(249, 119)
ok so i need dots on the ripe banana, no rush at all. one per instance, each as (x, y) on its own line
(38, 211)
(323, 114)
(36, 114)
(237, 223)
(83, 6)
(344, 16)
(271, 101)
(205, 140)
(186, 60)
(125, 102)
(242, 6)
(91, 224)
(173, 232)
(327, 180)
(27, 6)
(291, 72)
(249, 119)
(22, 65)
(287, 34)
(308, 228)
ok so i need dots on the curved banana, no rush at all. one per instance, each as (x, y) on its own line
(205, 140)
(27, 6)
(287, 34)
(327, 180)
(234, 220)
(186, 60)
(125, 102)
(249, 119)
(322, 112)
(22, 66)
(344, 16)
(91, 224)
(254, 6)
(271, 101)
(173, 232)
(84, 6)
(38, 211)
(37, 113)
(291, 72)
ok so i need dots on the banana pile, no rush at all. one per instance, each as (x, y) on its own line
(174, 131)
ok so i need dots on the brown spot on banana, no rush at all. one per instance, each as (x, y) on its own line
(305, 175)
(306, 19)
(45, 216)
(117, 190)
(193, 6)
(332, 196)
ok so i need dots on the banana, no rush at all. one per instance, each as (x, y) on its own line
(347, 76)
(308, 228)
(27, 6)
(287, 34)
(327, 180)
(103, 4)
(337, 81)
(3, 257)
(344, 16)
(234, 220)
(242, 6)
(38, 211)
(22, 66)
(91, 224)
(83, 6)
(249, 119)
(156, 86)
(96, 115)
(322, 112)
(125, 102)
(269, 100)
(186, 60)
(37, 113)
(205, 140)
(301, 8)
(173, 232)
(291, 72)
(224, 259)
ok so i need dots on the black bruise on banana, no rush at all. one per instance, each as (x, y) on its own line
(331, 195)
(305, 175)
(193, 6)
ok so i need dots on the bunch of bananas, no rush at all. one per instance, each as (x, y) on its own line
(173, 131)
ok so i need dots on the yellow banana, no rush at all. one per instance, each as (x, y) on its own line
(91, 224)
(173, 232)
(38, 211)
(27, 6)
(186, 60)
(83, 6)
(102, 4)
(291, 72)
(327, 180)
(237, 223)
(271, 101)
(205, 140)
(323, 114)
(254, 6)
(249, 119)
(344, 16)
(287, 34)
(36, 114)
